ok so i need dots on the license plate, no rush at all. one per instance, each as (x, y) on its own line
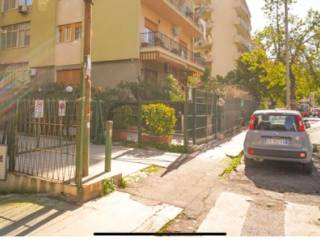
(277, 141)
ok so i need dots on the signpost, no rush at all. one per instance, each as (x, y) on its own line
(62, 108)
(38, 108)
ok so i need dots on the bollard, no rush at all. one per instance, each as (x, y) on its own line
(108, 145)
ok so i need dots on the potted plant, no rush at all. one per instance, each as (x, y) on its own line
(159, 123)
(121, 122)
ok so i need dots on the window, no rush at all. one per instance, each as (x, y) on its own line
(12, 4)
(275, 122)
(9, 4)
(15, 36)
(69, 32)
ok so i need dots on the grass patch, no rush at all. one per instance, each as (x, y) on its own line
(151, 169)
(233, 164)
(136, 177)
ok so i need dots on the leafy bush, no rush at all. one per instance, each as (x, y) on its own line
(108, 187)
(159, 119)
(122, 117)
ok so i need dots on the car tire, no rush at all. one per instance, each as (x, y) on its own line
(307, 168)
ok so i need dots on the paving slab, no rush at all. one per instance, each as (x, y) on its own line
(228, 215)
(117, 212)
(302, 220)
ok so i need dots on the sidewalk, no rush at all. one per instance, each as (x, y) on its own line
(117, 212)
(126, 160)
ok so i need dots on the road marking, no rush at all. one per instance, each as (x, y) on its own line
(302, 220)
(228, 215)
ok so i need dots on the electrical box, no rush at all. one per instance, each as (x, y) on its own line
(3, 162)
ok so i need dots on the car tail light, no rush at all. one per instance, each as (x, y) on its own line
(251, 151)
(302, 155)
(301, 127)
(252, 122)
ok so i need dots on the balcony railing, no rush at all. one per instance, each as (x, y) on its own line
(158, 39)
(184, 8)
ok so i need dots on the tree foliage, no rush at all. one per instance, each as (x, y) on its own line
(263, 69)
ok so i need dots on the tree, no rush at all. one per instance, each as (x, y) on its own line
(265, 65)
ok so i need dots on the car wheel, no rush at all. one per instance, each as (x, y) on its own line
(307, 168)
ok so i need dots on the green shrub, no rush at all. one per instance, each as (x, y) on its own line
(159, 119)
(123, 183)
(122, 117)
(108, 187)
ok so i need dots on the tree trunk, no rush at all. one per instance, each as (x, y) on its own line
(293, 90)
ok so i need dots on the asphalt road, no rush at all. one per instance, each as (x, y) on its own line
(265, 199)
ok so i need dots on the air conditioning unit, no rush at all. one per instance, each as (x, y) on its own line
(32, 72)
(23, 8)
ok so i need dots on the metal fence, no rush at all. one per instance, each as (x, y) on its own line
(43, 141)
(199, 120)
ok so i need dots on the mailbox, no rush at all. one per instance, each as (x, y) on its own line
(3, 162)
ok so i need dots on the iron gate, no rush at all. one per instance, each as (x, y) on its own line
(45, 138)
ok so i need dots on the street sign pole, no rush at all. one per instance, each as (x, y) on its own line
(85, 98)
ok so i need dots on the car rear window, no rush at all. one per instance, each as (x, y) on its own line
(276, 122)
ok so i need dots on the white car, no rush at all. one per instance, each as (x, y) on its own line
(278, 135)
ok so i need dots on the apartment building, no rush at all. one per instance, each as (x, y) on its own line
(231, 34)
(132, 39)
(204, 44)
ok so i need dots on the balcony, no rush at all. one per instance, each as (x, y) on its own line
(243, 27)
(177, 12)
(152, 41)
(242, 43)
(242, 9)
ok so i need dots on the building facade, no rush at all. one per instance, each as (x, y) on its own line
(132, 40)
(231, 34)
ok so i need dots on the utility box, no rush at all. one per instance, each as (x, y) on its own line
(3, 162)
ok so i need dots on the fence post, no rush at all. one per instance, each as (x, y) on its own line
(194, 116)
(139, 124)
(12, 145)
(185, 124)
(108, 146)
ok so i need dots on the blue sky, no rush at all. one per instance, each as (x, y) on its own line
(258, 19)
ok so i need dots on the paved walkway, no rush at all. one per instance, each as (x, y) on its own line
(126, 160)
(190, 184)
(41, 216)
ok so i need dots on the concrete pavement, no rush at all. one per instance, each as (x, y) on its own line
(42, 216)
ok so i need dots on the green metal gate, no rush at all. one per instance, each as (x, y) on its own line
(45, 133)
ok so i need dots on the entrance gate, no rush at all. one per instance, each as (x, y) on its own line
(45, 139)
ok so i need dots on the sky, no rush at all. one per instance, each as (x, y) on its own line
(258, 20)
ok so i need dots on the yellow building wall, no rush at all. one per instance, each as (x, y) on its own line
(40, 53)
(115, 30)
(165, 26)
(18, 54)
(69, 11)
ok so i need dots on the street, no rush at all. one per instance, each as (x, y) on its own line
(264, 199)
(190, 195)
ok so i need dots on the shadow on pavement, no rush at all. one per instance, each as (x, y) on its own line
(284, 177)
(19, 219)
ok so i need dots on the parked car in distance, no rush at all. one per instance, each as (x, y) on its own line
(313, 122)
(278, 135)
(315, 112)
